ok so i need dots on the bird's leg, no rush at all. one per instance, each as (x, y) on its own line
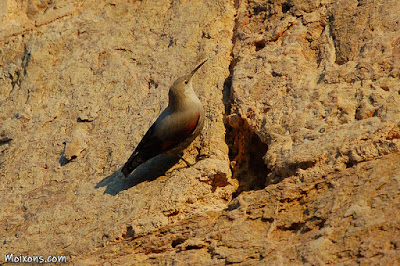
(183, 159)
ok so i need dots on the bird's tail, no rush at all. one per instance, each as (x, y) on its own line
(134, 161)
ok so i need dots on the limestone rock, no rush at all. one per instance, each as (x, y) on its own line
(342, 217)
(76, 145)
(88, 113)
(329, 104)
(95, 75)
(298, 162)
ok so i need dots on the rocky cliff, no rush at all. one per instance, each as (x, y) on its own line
(299, 161)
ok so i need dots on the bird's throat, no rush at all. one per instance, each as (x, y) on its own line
(183, 101)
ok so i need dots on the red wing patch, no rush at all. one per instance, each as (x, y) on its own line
(181, 135)
(167, 144)
(193, 126)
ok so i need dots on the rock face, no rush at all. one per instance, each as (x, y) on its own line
(320, 89)
(81, 83)
(299, 161)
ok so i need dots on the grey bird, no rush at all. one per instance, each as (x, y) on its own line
(176, 127)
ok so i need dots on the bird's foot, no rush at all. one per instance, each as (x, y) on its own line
(187, 163)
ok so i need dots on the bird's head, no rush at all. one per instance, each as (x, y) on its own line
(184, 83)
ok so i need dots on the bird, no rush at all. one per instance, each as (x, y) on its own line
(176, 127)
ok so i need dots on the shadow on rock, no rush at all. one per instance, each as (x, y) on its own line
(148, 171)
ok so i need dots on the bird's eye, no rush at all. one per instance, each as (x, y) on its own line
(186, 82)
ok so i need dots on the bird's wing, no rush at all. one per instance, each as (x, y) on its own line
(180, 134)
(152, 144)
(148, 147)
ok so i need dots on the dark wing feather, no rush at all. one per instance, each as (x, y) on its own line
(151, 146)
(147, 148)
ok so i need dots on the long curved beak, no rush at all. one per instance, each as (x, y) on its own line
(197, 68)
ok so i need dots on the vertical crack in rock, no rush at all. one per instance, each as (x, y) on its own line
(246, 150)
(16, 77)
(26, 59)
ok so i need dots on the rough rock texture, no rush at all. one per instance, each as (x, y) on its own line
(299, 161)
(321, 90)
(81, 82)
(341, 218)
